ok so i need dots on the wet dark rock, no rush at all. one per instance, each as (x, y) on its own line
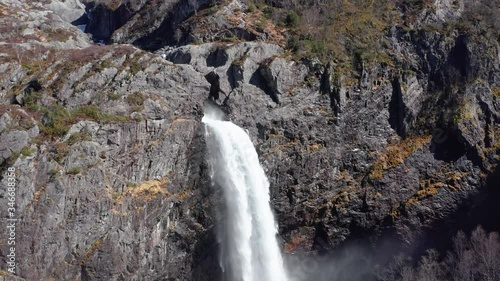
(159, 23)
(214, 80)
(330, 85)
(102, 20)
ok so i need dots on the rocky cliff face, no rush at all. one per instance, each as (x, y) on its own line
(110, 156)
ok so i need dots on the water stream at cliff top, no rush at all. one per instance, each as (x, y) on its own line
(250, 250)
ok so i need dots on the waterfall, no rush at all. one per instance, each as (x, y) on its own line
(248, 237)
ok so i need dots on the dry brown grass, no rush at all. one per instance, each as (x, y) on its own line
(24, 118)
(315, 147)
(96, 246)
(396, 154)
(176, 122)
(280, 142)
(291, 246)
(496, 92)
(38, 194)
(183, 196)
(256, 21)
(149, 190)
(431, 187)
(144, 192)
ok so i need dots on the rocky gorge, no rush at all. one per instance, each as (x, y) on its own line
(109, 150)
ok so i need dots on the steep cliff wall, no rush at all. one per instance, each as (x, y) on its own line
(110, 155)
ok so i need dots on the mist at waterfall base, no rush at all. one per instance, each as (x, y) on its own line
(249, 249)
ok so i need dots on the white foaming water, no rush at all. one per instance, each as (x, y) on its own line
(250, 250)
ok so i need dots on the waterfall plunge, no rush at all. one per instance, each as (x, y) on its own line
(249, 248)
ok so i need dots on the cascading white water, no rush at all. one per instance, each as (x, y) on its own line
(248, 238)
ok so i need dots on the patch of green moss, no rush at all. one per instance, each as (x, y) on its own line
(210, 11)
(135, 67)
(26, 151)
(114, 96)
(251, 8)
(90, 111)
(31, 67)
(262, 23)
(93, 112)
(61, 151)
(306, 47)
(53, 173)
(350, 34)
(136, 99)
(31, 100)
(230, 39)
(292, 19)
(109, 118)
(57, 121)
(131, 184)
(268, 12)
(59, 35)
(74, 171)
(100, 67)
(78, 137)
